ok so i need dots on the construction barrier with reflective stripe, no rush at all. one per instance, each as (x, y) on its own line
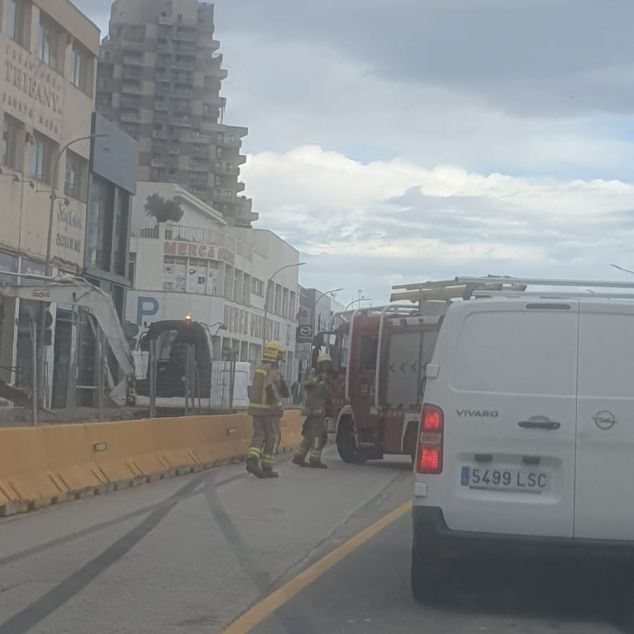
(47, 465)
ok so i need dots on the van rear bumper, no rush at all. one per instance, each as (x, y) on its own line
(435, 541)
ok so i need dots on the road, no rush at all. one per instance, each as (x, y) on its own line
(191, 554)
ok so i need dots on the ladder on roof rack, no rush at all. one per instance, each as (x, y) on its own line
(447, 290)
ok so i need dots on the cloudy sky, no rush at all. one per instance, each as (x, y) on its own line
(413, 139)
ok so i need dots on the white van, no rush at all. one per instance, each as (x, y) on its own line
(527, 431)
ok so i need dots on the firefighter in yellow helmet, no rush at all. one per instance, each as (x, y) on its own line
(316, 403)
(266, 408)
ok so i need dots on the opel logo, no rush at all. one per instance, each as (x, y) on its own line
(604, 420)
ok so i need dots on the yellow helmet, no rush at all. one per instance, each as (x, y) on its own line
(273, 351)
(324, 357)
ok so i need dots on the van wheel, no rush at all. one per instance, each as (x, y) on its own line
(347, 444)
(430, 583)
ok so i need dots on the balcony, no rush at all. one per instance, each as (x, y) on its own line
(129, 116)
(224, 195)
(239, 187)
(137, 44)
(242, 159)
(131, 88)
(182, 94)
(227, 168)
(132, 73)
(159, 134)
(184, 64)
(201, 154)
(158, 162)
(180, 121)
(162, 77)
(161, 106)
(132, 60)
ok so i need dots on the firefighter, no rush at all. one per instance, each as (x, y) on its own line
(316, 401)
(266, 408)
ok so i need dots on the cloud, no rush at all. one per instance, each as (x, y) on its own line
(386, 221)
(529, 57)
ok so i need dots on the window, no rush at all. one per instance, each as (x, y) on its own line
(257, 287)
(291, 307)
(18, 20)
(76, 176)
(131, 267)
(369, 344)
(82, 69)
(12, 142)
(50, 43)
(42, 150)
(246, 290)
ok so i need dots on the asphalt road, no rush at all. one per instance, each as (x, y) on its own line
(190, 554)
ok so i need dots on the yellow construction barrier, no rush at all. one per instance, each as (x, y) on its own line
(46, 465)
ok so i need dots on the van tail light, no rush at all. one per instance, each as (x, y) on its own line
(430, 440)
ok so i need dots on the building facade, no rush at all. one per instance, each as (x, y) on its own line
(217, 273)
(48, 52)
(113, 178)
(159, 78)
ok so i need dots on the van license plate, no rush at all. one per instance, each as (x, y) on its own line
(504, 479)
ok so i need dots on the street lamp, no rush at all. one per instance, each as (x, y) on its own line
(354, 301)
(621, 268)
(316, 302)
(266, 296)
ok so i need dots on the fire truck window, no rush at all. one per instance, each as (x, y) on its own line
(368, 352)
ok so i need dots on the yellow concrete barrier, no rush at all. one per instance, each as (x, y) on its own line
(45, 465)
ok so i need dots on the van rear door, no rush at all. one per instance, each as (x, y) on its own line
(507, 387)
(604, 496)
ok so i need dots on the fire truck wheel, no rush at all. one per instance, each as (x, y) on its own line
(347, 444)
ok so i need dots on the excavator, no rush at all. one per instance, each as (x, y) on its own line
(76, 292)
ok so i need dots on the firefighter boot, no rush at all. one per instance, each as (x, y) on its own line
(300, 460)
(253, 466)
(269, 473)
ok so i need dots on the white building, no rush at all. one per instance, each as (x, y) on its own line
(216, 273)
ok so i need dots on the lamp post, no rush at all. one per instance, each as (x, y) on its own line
(316, 303)
(354, 301)
(266, 296)
(49, 239)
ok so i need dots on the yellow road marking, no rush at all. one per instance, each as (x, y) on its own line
(262, 610)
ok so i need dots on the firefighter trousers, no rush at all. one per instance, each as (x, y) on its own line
(264, 440)
(315, 438)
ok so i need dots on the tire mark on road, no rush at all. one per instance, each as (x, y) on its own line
(292, 621)
(84, 532)
(48, 603)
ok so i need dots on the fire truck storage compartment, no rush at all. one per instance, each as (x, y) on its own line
(408, 354)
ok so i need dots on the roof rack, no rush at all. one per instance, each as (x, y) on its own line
(537, 281)
(457, 288)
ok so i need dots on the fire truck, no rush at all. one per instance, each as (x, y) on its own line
(380, 356)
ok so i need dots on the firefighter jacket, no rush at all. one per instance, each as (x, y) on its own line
(266, 391)
(317, 396)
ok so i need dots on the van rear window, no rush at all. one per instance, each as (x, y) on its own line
(517, 353)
